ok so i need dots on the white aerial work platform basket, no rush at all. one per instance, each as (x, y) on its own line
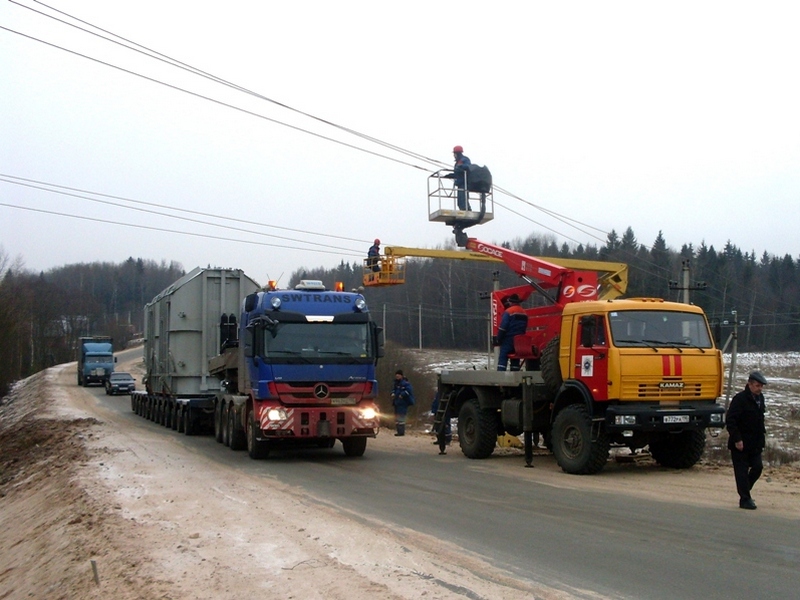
(443, 196)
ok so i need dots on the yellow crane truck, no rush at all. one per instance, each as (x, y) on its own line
(598, 372)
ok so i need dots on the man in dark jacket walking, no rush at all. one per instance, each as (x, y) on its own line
(747, 436)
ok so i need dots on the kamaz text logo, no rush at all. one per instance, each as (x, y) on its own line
(490, 251)
(583, 291)
(667, 385)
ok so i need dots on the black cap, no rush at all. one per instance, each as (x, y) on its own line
(757, 376)
(398, 372)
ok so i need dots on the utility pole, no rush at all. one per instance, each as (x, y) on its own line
(491, 351)
(685, 279)
(734, 336)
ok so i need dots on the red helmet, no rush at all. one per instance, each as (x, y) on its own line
(458, 149)
(377, 242)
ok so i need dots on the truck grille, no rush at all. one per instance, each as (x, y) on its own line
(654, 390)
(304, 392)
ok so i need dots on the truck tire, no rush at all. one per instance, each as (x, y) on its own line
(679, 451)
(236, 436)
(551, 370)
(256, 449)
(180, 418)
(218, 422)
(477, 430)
(223, 418)
(354, 446)
(188, 422)
(573, 447)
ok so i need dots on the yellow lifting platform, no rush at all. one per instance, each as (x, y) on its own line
(387, 270)
(612, 277)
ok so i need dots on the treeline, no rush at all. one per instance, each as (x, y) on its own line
(43, 314)
(441, 305)
(442, 301)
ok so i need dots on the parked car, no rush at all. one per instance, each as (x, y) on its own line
(120, 383)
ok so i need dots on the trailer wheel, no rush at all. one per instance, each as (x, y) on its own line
(256, 449)
(679, 451)
(477, 430)
(175, 416)
(218, 422)
(223, 417)
(236, 437)
(180, 418)
(188, 423)
(354, 446)
(551, 370)
(573, 447)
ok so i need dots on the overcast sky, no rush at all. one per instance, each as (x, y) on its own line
(682, 117)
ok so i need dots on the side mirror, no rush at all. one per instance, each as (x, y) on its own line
(250, 302)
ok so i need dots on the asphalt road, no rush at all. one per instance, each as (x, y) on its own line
(605, 543)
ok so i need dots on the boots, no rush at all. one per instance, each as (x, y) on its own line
(401, 429)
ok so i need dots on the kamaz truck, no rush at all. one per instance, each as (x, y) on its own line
(262, 368)
(95, 360)
(598, 372)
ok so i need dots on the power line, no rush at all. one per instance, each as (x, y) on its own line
(42, 187)
(162, 229)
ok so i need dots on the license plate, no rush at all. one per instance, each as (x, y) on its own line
(342, 401)
(676, 418)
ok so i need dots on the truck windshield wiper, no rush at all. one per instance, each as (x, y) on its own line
(689, 345)
(647, 343)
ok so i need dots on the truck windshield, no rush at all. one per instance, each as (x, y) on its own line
(659, 328)
(97, 359)
(318, 340)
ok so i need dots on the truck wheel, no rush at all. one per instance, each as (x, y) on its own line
(175, 417)
(354, 446)
(573, 447)
(168, 415)
(188, 424)
(551, 370)
(236, 437)
(256, 449)
(180, 418)
(679, 451)
(477, 430)
(218, 422)
(223, 417)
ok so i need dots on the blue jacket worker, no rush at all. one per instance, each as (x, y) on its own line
(460, 176)
(747, 436)
(402, 398)
(373, 256)
(513, 323)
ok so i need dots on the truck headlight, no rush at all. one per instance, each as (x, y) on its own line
(716, 418)
(368, 413)
(625, 420)
(276, 414)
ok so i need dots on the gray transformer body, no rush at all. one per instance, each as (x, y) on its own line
(182, 330)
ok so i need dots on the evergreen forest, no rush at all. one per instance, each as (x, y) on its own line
(442, 303)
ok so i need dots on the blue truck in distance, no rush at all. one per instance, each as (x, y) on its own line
(95, 360)
(266, 368)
